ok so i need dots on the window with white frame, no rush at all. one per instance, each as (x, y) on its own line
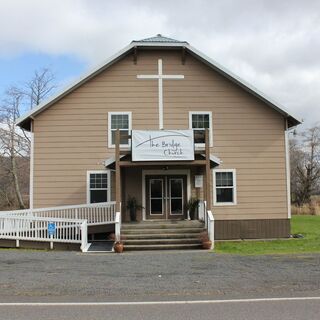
(98, 186)
(225, 187)
(200, 121)
(121, 121)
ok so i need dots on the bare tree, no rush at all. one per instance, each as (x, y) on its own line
(15, 142)
(39, 87)
(305, 165)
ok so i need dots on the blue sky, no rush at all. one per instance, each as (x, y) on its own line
(18, 69)
(273, 45)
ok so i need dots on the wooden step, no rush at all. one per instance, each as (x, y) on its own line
(162, 247)
(162, 225)
(161, 241)
(157, 231)
(194, 235)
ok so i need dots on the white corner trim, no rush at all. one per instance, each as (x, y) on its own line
(287, 150)
(116, 57)
(202, 145)
(31, 182)
(234, 173)
(88, 183)
(129, 113)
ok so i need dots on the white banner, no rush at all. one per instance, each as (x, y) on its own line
(162, 145)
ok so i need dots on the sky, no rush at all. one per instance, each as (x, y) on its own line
(273, 45)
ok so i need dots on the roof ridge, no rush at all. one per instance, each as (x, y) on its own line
(160, 38)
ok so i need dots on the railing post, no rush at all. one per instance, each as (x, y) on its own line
(211, 228)
(205, 214)
(51, 242)
(118, 226)
(84, 236)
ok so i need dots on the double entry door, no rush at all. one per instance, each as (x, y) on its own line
(166, 196)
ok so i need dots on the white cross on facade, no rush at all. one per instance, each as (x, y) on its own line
(160, 78)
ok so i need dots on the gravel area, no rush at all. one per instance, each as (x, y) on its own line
(141, 275)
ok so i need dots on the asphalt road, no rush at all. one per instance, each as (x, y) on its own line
(70, 276)
(224, 310)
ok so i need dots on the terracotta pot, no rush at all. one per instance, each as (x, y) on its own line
(118, 247)
(206, 244)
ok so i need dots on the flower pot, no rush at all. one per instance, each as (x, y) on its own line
(206, 244)
(118, 247)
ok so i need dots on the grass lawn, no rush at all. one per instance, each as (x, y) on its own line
(308, 226)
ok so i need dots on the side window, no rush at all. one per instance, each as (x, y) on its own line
(121, 121)
(98, 188)
(225, 187)
(199, 122)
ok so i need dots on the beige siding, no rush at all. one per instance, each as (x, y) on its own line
(71, 136)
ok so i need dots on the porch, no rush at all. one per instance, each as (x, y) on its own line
(162, 187)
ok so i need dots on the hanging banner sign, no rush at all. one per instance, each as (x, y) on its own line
(162, 145)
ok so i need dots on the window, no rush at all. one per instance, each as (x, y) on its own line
(199, 122)
(98, 186)
(225, 187)
(121, 121)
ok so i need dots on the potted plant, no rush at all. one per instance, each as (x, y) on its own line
(133, 206)
(192, 206)
(206, 242)
(118, 244)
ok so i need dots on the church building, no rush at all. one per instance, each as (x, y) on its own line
(163, 125)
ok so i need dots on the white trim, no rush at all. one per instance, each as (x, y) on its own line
(202, 145)
(162, 172)
(31, 182)
(234, 175)
(199, 55)
(287, 150)
(160, 77)
(108, 187)
(110, 114)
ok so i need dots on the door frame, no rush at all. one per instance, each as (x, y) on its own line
(163, 173)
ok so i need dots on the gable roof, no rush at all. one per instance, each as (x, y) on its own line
(158, 42)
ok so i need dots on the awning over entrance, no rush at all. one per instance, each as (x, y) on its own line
(126, 161)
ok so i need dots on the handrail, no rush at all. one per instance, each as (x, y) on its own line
(78, 206)
(98, 213)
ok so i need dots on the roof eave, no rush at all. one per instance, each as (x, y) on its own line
(292, 120)
(22, 121)
(245, 85)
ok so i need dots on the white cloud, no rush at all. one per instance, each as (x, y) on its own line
(275, 45)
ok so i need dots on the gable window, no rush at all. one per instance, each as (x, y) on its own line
(121, 121)
(98, 186)
(200, 121)
(225, 187)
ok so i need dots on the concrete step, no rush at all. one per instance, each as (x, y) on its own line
(161, 241)
(162, 247)
(194, 235)
(157, 231)
(162, 225)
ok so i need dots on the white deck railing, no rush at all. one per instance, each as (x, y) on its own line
(36, 229)
(96, 213)
(71, 223)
